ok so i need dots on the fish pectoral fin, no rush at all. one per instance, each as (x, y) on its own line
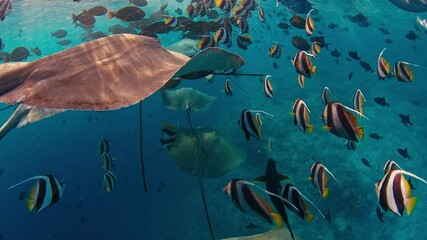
(277, 219)
(283, 177)
(260, 179)
(309, 217)
(360, 132)
(325, 193)
(410, 204)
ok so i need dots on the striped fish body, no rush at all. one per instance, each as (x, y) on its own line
(200, 9)
(249, 125)
(402, 72)
(393, 192)
(103, 147)
(303, 65)
(5, 9)
(47, 191)
(268, 87)
(325, 96)
(290, 193)
(227, 88)
(172, 22)
(241, 12)
(383, 67)
(309, 24)
(301, 81)
(261, 14)
(209, 4)
(358, 101)
(206, 42)
(223, 36)
(223, 5)
(319, 178)
(341, 122)
(243, 24)
(243, 41)
(109, 181)
(247, 201)
(107, 162)
(301, 115)
(275, 51)
(190, 11)
(315, 49)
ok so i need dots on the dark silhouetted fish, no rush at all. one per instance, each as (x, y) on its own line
(251, 226)
(405, 119)
(366, 66)
(411, 35)
(127, 14)
(283, 25)
(97, 11)
(36, 51)
(139, 3)
(297, 22)
(384, 31)
(404, 152)
(354, 55)
(332, 25)
(298, 6)
(300, 43)
(61, 33)
(375, 136)
(178, 11)
(350, 75)
(85, 18)
(351, 145)
(381, 101)
(360, 19)
(18, 54)
(319, 40)
(366, 162)
(389, 41)
(335, 53)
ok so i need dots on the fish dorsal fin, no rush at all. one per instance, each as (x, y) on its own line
(332, 175)
(412, 175)
(283, 177)
(27, 180)
(260, 179)
(352, 110)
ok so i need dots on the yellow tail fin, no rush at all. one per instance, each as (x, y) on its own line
(277, 219)
(360, 132)
(309, 217)
(410, 204)
(310, 128)
(313, 69)
(325, 192)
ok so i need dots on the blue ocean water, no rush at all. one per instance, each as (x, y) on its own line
(65, 145)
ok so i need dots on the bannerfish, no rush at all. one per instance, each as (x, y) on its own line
(103, 147)
(402, 71)
(268, 87)
(247, 201)
(303, 65)
(325, 96)
(405, 119)
(5, 9)
(249, 125)
(227, 88)
(109, 181)
(107, 161)
(275, 51)
(223, 36)
(301, 80)
(315, 49)
(383, 67)
(172, 22)
(390, 165)
(243, 25)
(206, 42)
(319, 178)
(243, 41)
(340, 121)
(309, 24)
(358, 101)
(47, 191)
(394, 193)
(301, 115)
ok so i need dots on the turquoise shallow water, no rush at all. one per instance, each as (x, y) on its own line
(65, 145)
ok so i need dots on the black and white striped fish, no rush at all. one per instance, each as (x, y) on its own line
(319, 178)
(243, 41)
(294, 196)
(315, 49)
(227, 88)
(109, 181)
(301, 81)
(243, 24)
(47, 191)
(309, 24)
(394, 192)
(249, 124)
(247, 201)
(172, 22)
(303, 65)
(325, 96)
(383, 67)
(223, 36)
(358, 101)
(268, 87)
(103, 147)
(402, 71)
(301, 117)
(341, 122)
(107, 161)
(275, 51)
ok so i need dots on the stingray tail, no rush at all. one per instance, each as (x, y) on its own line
(140, 146)
(202, 191)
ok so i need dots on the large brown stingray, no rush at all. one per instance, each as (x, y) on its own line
(187, 99)
(104, 74)
(221, 155)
